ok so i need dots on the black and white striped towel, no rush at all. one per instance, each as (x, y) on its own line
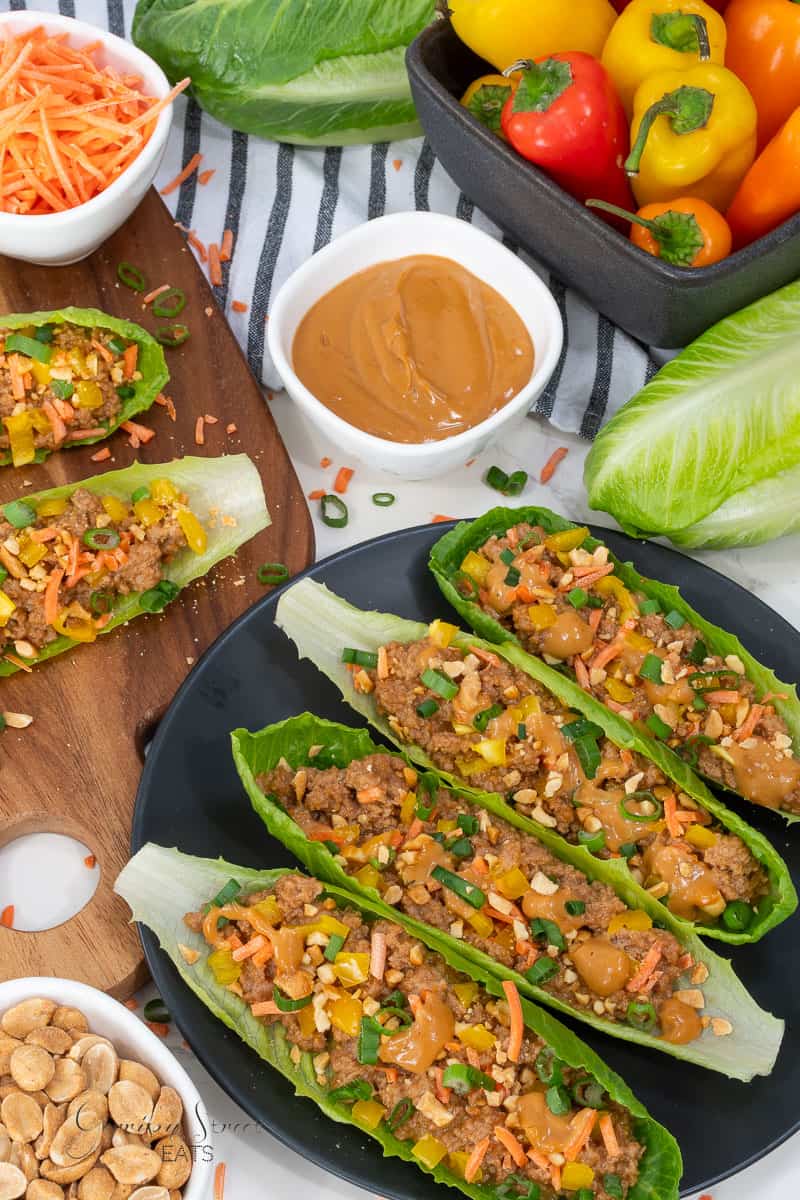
(283, 203)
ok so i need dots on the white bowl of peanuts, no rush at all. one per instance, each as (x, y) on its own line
(80, 1074)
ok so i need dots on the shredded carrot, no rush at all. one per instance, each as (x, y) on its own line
(239, 306)
(325, 462)
(442, 1093)
(101, 455)
(342, 480)
(205, 177)
(51, 596)
(159, 1028)
(517, 1022)
(670, 809)
(56, 423)
(214, 268)
(189, 169)
(440, 518)
(90, 861)
(219, 1181)
(132, 1003)
(595, 617)
(646, 968)
(749, 723)
(103, 351)
(608, 653)
(397, 163)
(199, 246)
(48, 534)
(512, 1145)
(142, 432)
(226, 247)
(581, 673)
(17, 381)
(606, 1127)
(199, 432)
(7, 916)
(317, 494)
(485, 656)
(415, 829)
(250, 948)
(583, 1123)
(151, 296)
(722, 696)
(589, 577)
(326, 835)
(549, 468)
(475, 1159)
(391, 1073)
(80, 435)
(377, 960)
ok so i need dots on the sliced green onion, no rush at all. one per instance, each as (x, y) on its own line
(582, 728)
(486, 715)
(496, 478)
(125, 391)
(357, 1089)
(156, 1010)
(331, 846)
(44, 333)
(699, 704)
(651, 668)
(578, 597)
(20, 344)
(543, 969)
(465, 586)
(634, 814)
(369, 1041)
(642, 1016)
(402, 1112)
(613, 1185)
(440, 683)
(467, 823)
(698, 653)
(141, 493)
(132, 277)
(660, 728)
(628, 849)
(272, 573)
(424, 811)
(588, 1093)
(461, 887)
(675, 619)
(156, 599)
(548, 1067)
(101, 603)
(558, 1100)
(360, 658)
(512, 578)
(690, 750)
(595, 601)
(737, 916)
(548, 932)
(515, 484)
(172, 335)
(335, 943)
(19, 513)
(287, 1005)
(3, 574)
(400, 1014)
(383, 499)
(522, 731)
(709, 681)
(588, 753)
(117, 345)
(461, 848)
(464, 1079)
(507, 556)
(575, 907)
(592, 841)
(649, 606)
(427, 708)
(62, 388)
(517, 1187)
(168, 304)
(333, 511)
(101, 539)
(227, 894)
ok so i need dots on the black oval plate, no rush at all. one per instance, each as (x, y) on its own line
(190, 797)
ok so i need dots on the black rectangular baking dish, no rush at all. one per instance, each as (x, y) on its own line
(657, 303)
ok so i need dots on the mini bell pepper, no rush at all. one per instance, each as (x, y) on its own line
(502, 31)
(661, 35)
(764, 51)
(565, 117)
(718, 5)
(686, 233)
(486, 98)
(770, 192)
(694, 134)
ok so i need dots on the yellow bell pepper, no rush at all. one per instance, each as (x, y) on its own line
(476, 1036)
(429, 1151)
(457, 1162)
(528, 706)
(502, 31)
(368, 1112)
(566, 540)
(40, 372)
(328, 924)
(408, 807)
(476, 566)
(650, 36)
(7, 607)
(20, 439)
(446, 826)
(73, 622)
(483, 925)
(694, 134)
(541, 616)
(88, 394)
(618, 691)
(576, 1175)
(163, 491)
(30, 552)
(77, 362)
(367, 876)
(466, 993)
(513, 884)
(610, 585)
(699, 836)
(634, 919)
(224, 969)
(345, 1014)
(637, 641)
(147, 511)
(305, 1019)
(269, 909)
(115, 509)
(351, 968)
(442, 633)
(193, 531)
(467, 767)
(493, 750)
(51, 508)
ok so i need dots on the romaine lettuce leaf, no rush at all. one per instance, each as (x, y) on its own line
(160, 885)
(229, 486)
(449, 552)
(326, 73)
(321, 623)
(719, 418)
(767, 510)
(751, 1048)
(151, 363)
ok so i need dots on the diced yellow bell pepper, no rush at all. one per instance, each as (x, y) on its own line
(632, 919)
(115, 508)
(568, 539)
(7, 607)
(351, 969)
(429, 1151)
(30, 552)
(77, 361)
(442, 633)
(446, 826)
(39, 420)
(477, 1036)
(699, 836)
(88, 394)
(637, 642)
(368, 1112)
(528, 706)
(576, 1175)
(618, 690)
(20, 439)
(72, 624)
(513, 884)
(51, 508)
(345, 1014)
(461, 729)
(193, 531)
(466, 992)
(325, 923)
(367, 876)
(541, 616)
(457, 1162)
(40, 372)
(224, 969)
(493, 750)
(147, 511)
(470, 766)
(476, 566)
(610, 586)
(408, 808)
(269, 909)
(163, 491)
(482, 924)
(506, 938)
(305, 1019)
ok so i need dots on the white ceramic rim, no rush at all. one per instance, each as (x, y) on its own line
(368, 443)
(154, 1053)
(155, 82)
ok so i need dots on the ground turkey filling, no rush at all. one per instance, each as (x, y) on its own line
(646, 663)
(526, 908)
(482, 719)
(73, 389)
(448, 1074)
(64, 563)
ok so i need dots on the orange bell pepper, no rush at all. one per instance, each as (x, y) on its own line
(764, 51)
(686, 232)
(770, 192)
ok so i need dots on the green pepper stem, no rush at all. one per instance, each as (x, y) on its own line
(689, 109)
(624, 214)
(685, 33)
(703, 42)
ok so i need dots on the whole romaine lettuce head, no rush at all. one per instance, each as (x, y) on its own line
(331, 72)
(716, 429)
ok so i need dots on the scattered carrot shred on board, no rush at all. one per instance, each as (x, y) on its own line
(317, 494)
(210, 420)
(7, 916)
(205, 177)
(90, 861)
(132, 1003)
(200, 432)
(438, 518)
(70, 126)
(397, 163)
(189, 169)
(141, 432)
(325, 462)
(342, 480)
(199, 246)
(239, 306)
(150, 297)
(226, 246)
(549, 468)
(231, 427)
(219, 1182)
(101, 455)
(214, 267)
(159, 1028)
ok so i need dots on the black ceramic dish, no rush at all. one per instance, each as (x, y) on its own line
(660, 304)
(190, 797)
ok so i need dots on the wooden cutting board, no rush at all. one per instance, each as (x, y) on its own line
(75, 770)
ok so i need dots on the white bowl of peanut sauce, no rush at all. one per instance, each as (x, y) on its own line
(413, 340)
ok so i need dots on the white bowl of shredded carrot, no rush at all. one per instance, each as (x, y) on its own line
(84, 120)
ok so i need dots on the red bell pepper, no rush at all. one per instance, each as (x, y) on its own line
(565, 116)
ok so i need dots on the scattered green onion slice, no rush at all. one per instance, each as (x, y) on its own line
(101, 603)
(369, 1041)
(628, 849)
(440, 683)
(558, 1100)
(613, 1185)
(513, 577)
(515, 484)
(62, 388)
(574, 908)
(272, 573)
(19, 343)
(548, 1067)
(699, 704)
(548, 932)
(125, 391)
(507, 556)
(117, 345)
(592, 841)
(496, 478)
(461, 887)
(464, 1079)
(332, 847)
(690, 750)
(522, 731)
(461, 848)
(168, 304)
(467, 823)
(19, 513)
(578, 597)
(642, 1016)
(287, 1005)
(333, 511)
(400, 1014)
(383, 499)
(141, 493)
(427, 708)
(360, 658)
(698, 653)
(132, 277)
(156, 1010)
(335, 943)
(44, 333)
(660, 728)
(651, 668)
(543, 969)
(737, 916)
(466, 586)
(582, 728)
(101, 539)
(226, 894)
(156, 599)
(172, 335)
(675, 619)
(424, 811)
(595, 601)
(636, 798)
(488, 714)
(588, 753)
(649, 606)
(3, 574)
(709, 681)
(588, 1093)
(402, 1112)
(357, 1089)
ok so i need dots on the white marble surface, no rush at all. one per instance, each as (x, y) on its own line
(255, 1163)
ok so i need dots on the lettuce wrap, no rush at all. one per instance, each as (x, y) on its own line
(321, 624)
(160, 885)
(225, 493)
(449, 553)
(151, 364)
(309, 741)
